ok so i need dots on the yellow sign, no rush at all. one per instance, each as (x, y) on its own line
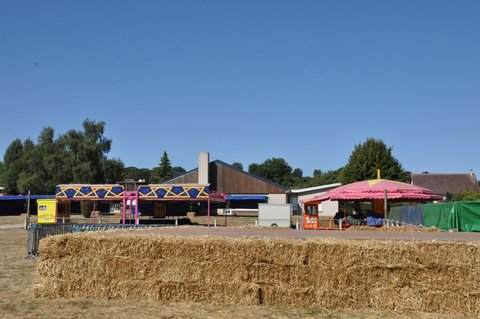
(47, 209)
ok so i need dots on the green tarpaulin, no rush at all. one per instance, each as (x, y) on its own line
(468, 215)
(437, 215)
(460, 216)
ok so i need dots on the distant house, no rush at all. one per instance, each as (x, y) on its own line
(326, 208)
(447, 184)
(2, 191)
(244, 191)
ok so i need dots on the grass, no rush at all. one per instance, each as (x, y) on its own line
(17, 301)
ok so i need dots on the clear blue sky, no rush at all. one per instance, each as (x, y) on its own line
(248, 80)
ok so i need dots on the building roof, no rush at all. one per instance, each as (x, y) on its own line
(229, 179)
(218, 162)
(442, 184)
(315, 188)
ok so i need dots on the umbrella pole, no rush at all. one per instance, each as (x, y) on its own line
(385, 206)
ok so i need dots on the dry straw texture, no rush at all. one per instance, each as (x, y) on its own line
(396, 228)
(333, 274)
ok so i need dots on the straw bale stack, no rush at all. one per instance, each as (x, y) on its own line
(396, 228)
(428, 276)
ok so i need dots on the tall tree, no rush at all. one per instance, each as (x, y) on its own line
(12, 166)
(137, 173)
(178, 170)
(112, 170)
(52, 157)
(369, 156)
(31, 175)
(2, 170)
(238, 165)
(75, 157)
(324, 178)
(162, 172)
(85, 153)
(275, 169)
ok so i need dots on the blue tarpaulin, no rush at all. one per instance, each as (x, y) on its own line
(24, 197)
(247, 197)
(410, 215)
(374, 219)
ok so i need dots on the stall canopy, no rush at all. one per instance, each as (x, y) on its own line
(375, 189)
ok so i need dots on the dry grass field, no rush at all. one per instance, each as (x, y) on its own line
(17, 300)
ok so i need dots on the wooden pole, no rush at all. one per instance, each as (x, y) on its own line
(124, 209)
(27, 217)
(385, 206)
(137, 221)
(208, 211)
(94, 211)
(226, 213)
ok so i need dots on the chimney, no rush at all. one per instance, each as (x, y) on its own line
(203, 168)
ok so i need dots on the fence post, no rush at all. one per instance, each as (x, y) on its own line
(27, 217)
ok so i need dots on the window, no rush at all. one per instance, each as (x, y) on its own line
(311, 210)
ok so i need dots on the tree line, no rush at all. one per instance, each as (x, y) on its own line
(75, 157)
(363, 163)
(80, 156)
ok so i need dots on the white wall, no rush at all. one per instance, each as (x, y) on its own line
(277, 198)
(327, 208)
(203, 159)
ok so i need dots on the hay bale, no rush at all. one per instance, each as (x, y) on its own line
(326, 273)
(408, 228)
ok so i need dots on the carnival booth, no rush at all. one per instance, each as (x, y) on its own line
(377, 191)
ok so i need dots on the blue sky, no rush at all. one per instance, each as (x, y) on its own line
(248, 80)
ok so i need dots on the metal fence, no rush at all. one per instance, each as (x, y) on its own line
(38, 231)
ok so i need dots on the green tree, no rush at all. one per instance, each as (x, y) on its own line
(297, 179)
(136, 173)
(324, 178)
(469, 195)
(369, 156)
(162, 172)
(238, 165)
(275, 169)
(178, 171)
(297, 172)
(2, 170)
(112, 170)
(53, 160)
(31, 174)
(12, 166)
(75, 157)
(84, 154)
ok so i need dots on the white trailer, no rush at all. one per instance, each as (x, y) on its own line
(274, 215)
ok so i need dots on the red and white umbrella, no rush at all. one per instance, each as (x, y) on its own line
(375, 189)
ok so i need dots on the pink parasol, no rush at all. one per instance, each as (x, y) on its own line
(375, 189)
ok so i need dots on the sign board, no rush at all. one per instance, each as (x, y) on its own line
(46, 211)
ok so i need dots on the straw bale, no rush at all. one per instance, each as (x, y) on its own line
(328, 273)
(142, 269)
(287, 296)
(227, 293)
(396, 228)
